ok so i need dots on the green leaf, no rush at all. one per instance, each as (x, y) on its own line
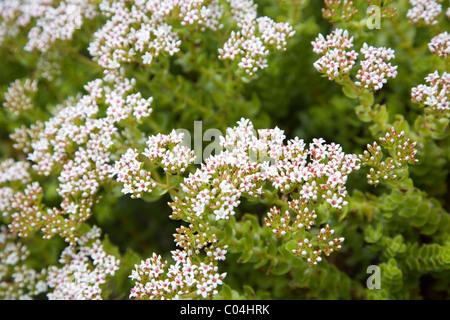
(241, 245)
(253, 219)
(248, 236)
(408, 212)
(155, 195)
(281, 268)
(350, 91)
(226, 292)
(382, 116)
(344, 213)
(291, 245)
(363, 113)
(433, 221)
(367, 99)
(109, 247)
(245, 256)
(285, 253)
(272, 249)
(229, 231)
(249, 291)
(372, 235)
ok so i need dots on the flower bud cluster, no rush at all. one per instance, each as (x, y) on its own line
(154, 279)
(17, 280)
(375, 70)
(200, 237)
(282, 224)
(321, 180)
(242, 10)
(66, 220)
(21, 208)
(200, 14)
(402, 152)
(86, 267)
(319, 172)
(23, 136)
(26, 210)
(142, 30)
(217, 186)
(435, 95)
(18, 97)
(424, 11)
(279, 223)
(440, 44)
(386, 10)
(339, 9)
(312, 249)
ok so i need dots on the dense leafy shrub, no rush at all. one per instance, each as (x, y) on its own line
(224, 149)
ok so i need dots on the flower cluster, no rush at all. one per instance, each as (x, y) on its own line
(17, 280)
(16, 14)
(59, 23)
(250, 47)
(184, 279)
(344, 9)
(85, 268)
(319, 172)
(321, 180)
(129, 172)
(440, 44)
(375, 70)
(401, 150)
(217, 186)
(336, 61)
(14, 171)
(130, 32)
(142, 30)
(245, 166)
(435, 95)
(166, 151)
(18, 97)
(6, 194)
(75, 143)
(424, 11)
